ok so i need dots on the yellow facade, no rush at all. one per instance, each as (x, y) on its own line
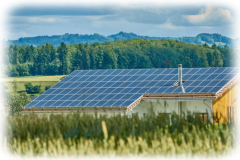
(225, 106)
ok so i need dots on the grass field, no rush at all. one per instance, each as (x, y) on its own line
(84, 134)
(43, 81)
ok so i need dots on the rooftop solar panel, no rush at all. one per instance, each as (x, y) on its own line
(122, 87)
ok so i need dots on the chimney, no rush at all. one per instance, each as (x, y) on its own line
(179, 74)
(180, 77)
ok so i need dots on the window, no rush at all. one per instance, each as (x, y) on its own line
(231, 113)
(203, 116)
(166, 117)
(144, 115)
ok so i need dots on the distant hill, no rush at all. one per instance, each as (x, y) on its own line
(76, 38)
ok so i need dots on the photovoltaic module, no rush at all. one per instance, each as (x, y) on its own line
(122, 87)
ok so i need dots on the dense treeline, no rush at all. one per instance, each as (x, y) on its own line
(128, 54)
(90, 39)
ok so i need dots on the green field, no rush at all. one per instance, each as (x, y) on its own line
(43, 81)
(85, 134)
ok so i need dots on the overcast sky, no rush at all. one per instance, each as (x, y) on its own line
(167, 21)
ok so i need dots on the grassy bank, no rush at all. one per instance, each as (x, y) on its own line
(82, 134)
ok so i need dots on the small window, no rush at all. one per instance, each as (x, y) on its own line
(231, 113)
(165, 116)
(144, 115)
(203, 116)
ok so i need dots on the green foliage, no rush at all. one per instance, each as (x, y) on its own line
(47, 87)
(63, 77)
(13, 103)
(15, 87)
(3, 89)
(127, 54)
(32, 89)
(86, 134)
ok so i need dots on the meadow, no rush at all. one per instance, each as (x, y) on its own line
(43, 81)
(83, 134)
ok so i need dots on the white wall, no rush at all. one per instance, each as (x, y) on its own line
(169, 106)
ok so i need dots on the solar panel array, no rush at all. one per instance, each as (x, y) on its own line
(122, 87)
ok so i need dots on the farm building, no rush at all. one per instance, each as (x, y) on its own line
(130, 91)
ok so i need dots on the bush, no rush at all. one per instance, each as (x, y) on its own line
(47, 87)
(14, 103)
(32, 89)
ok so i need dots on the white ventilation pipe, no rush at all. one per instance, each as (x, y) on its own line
(179, 74)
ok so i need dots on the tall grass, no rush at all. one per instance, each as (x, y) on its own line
(85, 134)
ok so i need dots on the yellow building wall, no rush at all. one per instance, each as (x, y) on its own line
(221, 106)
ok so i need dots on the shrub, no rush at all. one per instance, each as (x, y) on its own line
(47, 87)
(14, 103)
(32, 89)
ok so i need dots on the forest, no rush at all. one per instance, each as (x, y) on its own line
(47, 59)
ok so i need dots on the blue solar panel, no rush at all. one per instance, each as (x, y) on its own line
(143, 90)
(49, 97)
(211, 70)
(193, 71)
(75, 103)
(204, 83)
(100, 72)
(235, 70)
(74, 73)
(120, 88)
(202, 70)
(118, 103)
(170, 90)
(32, 104)
(40, 97)
(194, 77)
(152, 90)
(197, 89)
(118, 96)
(195, 83)
(48, 104)
(206, 89)
(177, 90)
(230, 76)
(57, 104)
(116, 78)
(40, 103)
(161, 90)
(91, 103)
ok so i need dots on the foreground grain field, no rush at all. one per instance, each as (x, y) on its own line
(83, 134)
(43, 81)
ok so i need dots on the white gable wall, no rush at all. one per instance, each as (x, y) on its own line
(169, 106)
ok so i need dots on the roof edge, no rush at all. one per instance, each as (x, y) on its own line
(178, 94)
(72, 109)
(228, 86)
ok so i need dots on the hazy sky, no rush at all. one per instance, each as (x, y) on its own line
(167, 21)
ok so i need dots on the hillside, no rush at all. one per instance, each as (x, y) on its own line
(90, 39)
(128, 54)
